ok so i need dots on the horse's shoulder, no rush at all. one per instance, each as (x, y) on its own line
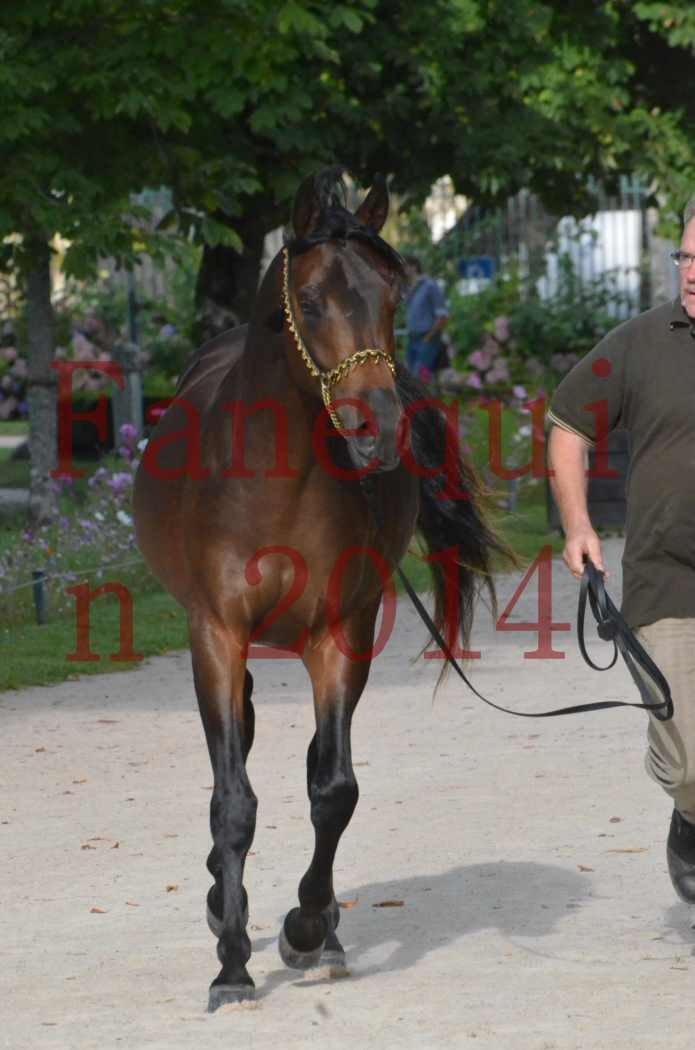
(213, 359)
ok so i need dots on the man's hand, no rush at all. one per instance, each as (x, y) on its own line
(583, 541)
(567, 458)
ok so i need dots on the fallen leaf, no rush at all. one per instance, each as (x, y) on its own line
(107, 721)
(638, 849)
(583, 867)
(115, 845)
(388, 904)
(97, 911)
(37, 749)
(86, 845)
(615, 820)
(84, 781)
(132, 904)
(172, 888)
(348, 904)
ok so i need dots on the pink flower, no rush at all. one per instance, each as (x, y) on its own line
(480, 359)
(501, 329)
(498, 374)
(475, 381)
(520, 392)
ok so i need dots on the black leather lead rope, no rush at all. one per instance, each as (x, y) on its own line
(610, 625)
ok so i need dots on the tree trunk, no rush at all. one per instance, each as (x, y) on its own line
(225, 289)
(43, 503)
(228, 280)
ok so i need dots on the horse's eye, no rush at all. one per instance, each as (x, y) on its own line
(309, 307)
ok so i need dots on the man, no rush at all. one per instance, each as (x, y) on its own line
(642, 377)
(427, 314)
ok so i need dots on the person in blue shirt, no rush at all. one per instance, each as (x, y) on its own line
(427, 314)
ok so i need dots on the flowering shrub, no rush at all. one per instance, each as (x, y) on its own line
(93, 537)
(507, 336)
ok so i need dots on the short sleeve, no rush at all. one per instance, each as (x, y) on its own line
(591, 397)
(439, 307)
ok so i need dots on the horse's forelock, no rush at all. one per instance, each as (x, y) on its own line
(337, 223)
(340, 225)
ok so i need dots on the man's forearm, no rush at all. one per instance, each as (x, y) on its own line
(567, 458)
(436, 327)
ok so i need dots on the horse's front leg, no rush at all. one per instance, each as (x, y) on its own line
(308, 934)
(223, 687)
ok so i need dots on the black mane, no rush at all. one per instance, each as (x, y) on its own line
(338, 223)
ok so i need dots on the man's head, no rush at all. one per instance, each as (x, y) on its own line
(413, 267)
(686, 274)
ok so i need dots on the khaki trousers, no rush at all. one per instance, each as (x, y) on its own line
(670, 757)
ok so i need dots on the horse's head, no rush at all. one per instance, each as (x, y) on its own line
(341, 284)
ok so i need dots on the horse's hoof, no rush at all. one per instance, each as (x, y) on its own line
(226, 994)
(295, 959)
(333, 958)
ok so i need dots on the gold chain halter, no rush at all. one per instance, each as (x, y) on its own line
(331, 378)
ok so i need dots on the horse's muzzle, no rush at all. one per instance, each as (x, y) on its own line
(373, 423)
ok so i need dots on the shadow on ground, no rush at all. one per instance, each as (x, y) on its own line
(515, 898)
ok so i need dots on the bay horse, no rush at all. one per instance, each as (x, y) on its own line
(248, 497)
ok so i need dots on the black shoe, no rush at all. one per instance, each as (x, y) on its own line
(680, 854)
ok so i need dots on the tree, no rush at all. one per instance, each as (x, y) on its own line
(500, 95)
(102, 99)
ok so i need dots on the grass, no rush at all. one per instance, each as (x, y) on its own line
(14, 427)
(14, 473)
(33, 655)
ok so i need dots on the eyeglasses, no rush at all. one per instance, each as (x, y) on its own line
(682, 259)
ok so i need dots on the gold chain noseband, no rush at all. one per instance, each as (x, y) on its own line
(331, 378)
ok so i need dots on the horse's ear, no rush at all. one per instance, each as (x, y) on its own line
(308, 206)
(374, 209)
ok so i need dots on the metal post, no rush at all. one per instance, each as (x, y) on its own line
(39, 577)
(132, 309)
(127, 403)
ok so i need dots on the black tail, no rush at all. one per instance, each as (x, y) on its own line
(452, 514)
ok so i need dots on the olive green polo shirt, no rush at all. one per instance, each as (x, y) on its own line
(641, 377)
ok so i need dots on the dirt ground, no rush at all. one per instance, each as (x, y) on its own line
(526, 860)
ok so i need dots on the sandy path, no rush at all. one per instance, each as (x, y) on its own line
(529, 857)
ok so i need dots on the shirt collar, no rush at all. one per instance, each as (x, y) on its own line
(416, 284)
(679, 318)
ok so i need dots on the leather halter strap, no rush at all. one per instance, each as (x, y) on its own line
(327, 378)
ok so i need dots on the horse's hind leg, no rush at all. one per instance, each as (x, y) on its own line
(223, 687)
(308, 935)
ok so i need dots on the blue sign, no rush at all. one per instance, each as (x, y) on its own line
(478, 268)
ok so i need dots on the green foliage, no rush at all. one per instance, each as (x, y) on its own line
(229, 102)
